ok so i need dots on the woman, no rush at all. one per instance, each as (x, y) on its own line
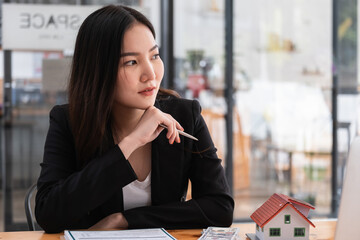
(107, 162)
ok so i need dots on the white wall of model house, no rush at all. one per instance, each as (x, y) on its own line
(287, 230)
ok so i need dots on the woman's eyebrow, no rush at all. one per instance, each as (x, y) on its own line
(154, 47)
(136, 53)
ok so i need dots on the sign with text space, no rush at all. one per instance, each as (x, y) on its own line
(42, 27)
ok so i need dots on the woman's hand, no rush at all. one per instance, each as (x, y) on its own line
(113, 221)
(148, 129)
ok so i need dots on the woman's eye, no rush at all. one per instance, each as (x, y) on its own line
(156, 56)
(130, 63)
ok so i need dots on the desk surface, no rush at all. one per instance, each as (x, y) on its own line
(325, 230)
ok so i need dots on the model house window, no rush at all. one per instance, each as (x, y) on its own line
(299, 232)
(257, 227)
(274, 232)
(287, 219)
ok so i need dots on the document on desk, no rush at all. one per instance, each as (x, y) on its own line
(150, 233)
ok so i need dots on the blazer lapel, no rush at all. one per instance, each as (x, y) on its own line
(167, 169)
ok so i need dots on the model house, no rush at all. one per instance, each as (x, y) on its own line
(282, 217)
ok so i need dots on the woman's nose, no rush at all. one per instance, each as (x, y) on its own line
(148, 72)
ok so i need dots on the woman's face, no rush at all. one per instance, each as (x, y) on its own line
(140, 69)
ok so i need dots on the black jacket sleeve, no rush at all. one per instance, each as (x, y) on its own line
(65, 192)
(211, 203)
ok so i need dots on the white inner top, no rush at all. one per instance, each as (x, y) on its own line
(137, 194)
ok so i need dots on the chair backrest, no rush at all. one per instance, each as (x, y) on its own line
(28, 207)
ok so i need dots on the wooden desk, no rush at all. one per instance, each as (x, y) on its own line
(325, 230)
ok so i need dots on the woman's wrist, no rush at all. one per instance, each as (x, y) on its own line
(128, 145)
(113, 221)
(123, 223)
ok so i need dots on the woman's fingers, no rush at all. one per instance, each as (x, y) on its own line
(178, 126)
(149, 128)
(174, 134)
(172, 129)
(147, 131)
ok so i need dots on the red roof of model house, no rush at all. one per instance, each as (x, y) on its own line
(275, 204)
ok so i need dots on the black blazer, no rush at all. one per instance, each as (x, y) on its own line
(74, 197)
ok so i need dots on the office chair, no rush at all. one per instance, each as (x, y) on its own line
(28, 209)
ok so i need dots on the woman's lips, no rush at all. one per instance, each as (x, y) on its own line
(148, 91)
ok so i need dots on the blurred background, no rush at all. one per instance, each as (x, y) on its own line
(277, 81)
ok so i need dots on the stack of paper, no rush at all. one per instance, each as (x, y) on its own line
(146, 234)
(212, 233)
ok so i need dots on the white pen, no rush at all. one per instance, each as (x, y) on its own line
(182, 133)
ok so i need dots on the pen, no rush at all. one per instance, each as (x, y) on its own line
(182, 133)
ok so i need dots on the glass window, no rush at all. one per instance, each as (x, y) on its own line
(275, 232)
(287, 219)
(299, 232)
(282, 84)
(199, 52)
(282, 128)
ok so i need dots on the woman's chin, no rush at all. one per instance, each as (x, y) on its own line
(146, 106)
